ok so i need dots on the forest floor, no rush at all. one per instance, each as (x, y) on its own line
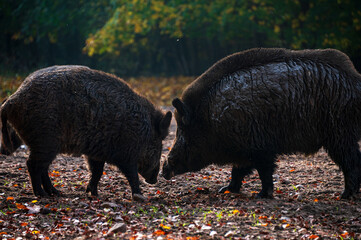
(306, 203)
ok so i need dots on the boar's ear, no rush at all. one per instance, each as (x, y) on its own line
(164, 124)
(182, 110)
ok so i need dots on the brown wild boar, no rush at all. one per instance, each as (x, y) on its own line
(77, 110)
(254, 105)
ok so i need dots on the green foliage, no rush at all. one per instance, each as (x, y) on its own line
(295, 23)
(204, 26)
(46, 32)
(142, 37)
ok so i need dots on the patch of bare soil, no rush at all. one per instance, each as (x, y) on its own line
(307, 204)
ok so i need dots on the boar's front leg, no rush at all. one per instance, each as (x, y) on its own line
(131, 173)
(96, 169)
(348, 157)
(238, 174)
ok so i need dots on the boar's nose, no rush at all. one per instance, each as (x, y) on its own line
(152, 180)
(152, 177)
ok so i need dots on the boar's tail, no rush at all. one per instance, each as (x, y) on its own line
(6, 144)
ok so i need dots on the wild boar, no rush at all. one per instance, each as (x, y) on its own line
(77, 110)
(254, 105)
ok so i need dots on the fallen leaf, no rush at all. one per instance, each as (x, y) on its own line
(284, 226)
(344, 234)
(313, 237)
(229, 234)
(35, 209)
(119, 227)
(206, 227)
(164, 226)
(20, 206)
(159, 232)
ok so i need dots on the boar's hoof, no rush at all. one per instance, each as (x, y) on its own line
(40, 193)
(51, 190)
(91, 191)
(227, 188)
(262, 194)
(54, 192)
(139, 197)
(348, 195)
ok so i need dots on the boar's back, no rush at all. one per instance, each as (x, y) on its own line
(291, 103)
(259, 57)
(87, 111)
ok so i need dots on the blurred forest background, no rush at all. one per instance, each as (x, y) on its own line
(164, 38)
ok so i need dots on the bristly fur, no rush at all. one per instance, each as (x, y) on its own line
(77, 110)
(254, 105)
(258, 57)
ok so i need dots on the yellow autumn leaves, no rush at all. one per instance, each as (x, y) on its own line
(160, 90)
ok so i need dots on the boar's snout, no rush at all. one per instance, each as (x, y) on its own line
(149, 171)
(153, 178)
(150, 176)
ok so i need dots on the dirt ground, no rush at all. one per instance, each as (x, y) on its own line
(306, 204)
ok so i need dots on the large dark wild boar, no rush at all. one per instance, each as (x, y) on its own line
(77, 110)
(254, 105)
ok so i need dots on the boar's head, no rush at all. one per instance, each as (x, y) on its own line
(186, 153)
(149, 164)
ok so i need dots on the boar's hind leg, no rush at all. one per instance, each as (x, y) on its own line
(38, 164)
(349, 160)
(264, 163)
(96, 169)
(238, 173)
